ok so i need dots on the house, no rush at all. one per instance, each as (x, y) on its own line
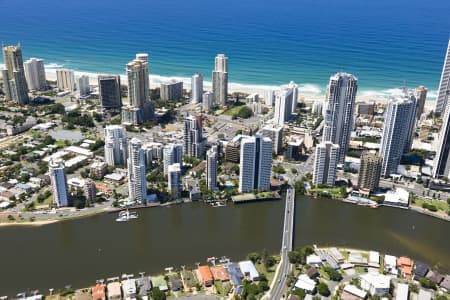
(235, 274)
(424, 295)
(305, 283)
(420, 270)
(129, 288)
(336, 255)
(248, 269)
(445, 284)
(175, 283)
(220, 274)
(312, 273)
(160, 282)
(374, 259)
(402, 292)
(434, 276)
(114, 291)
(390, 264)
(357, 259)
(293, 297)
(205, 275)
(313, 260)
(98, 292)
(375, 284)
(144, 285)
(352, 292)
(405, 266)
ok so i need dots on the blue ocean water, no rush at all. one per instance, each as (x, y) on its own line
(385, 43)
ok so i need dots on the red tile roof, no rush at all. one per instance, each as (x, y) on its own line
(219, 273)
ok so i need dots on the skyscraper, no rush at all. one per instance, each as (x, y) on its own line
(35, 74)
(65, 80)
(172, 154)
(115, 145)
(292, 85)
(339, 107)
(208, 101)
(14, 80)
(421, 96)
(369, 171)
(275, 133)
(325, 163)
(193, 136)
(139, 108)
(83, 86)
(444, 85)
(220, 80)
(137, 182)
(109, 92)
(196, 88)
(398, 132)
(255, 164)
(283, 106)
(59, 183)
(171, 90)
(90, 190)
(174, 180)
(212, 161)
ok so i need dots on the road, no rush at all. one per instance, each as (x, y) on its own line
(288, 233)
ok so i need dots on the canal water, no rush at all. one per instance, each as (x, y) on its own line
(80, 251)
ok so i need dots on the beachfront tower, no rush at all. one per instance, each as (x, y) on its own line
(109, 92)
(197, 88)
(421, 96)
(292, 85)
(14, 81)
(444, 85)
(255, 164)
(35, 74)
(115, 145)
(283, 106)
(65, 80)
(325, 163)
(220, 80)
(339, 107)
(137, 182)
(59, 183)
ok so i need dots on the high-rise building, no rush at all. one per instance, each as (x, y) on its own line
(325, 163)
(59, 183)
(283, 106)
(220, 80)
(65, 80)
(83, 86)
(317, 108)
(255, 164)
(139, 108)
(208, 101)
(153, 152)
(109, 92)
(292, 85)
(137, 182)
(35, 74)
(172, 90)
(212, 162)
(421, 96)
(193, 136)
(444, 85)
(115, 145)
(14, 81)
(339, 107)
(275, 133)
(369, 171)
(196, 88)
(90, 190)
(172, 154)
(174, 180)
(398, 132)
(269, 98)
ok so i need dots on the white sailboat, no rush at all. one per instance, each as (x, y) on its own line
(126, 215)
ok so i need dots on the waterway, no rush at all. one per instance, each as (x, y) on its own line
(80, 251)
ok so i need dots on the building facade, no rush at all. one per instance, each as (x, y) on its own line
(14, 81)
(115, 145)
(172, 90)
(59, 183)
(421, 96)
(212, 162)
(208, 101)
(275, 133)
(35, 74)
(292, 85)
(174, 180)
(109, 92)
(255, 164)
(137, 181)
(339, 107)
(172, 154)
(220, 80)
(83, 86)
(325, 163)
(283, 106)
(369, 171)
(65, 80)
(444, 84)
(193, 136)
(196, 88)
(90, 190)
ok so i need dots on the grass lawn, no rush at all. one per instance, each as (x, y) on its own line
(44, 204)
(270, 273)
(441, 205)
(334, 192)
(233, 110)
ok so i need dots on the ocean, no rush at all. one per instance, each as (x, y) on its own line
(387, 44)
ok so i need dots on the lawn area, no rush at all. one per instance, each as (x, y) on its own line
(222, 288)
(270, 273)
(44, 204)
(441, 205)
(242, 111)
(333, 192)
(189, 278)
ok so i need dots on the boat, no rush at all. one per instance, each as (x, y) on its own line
(126, 215)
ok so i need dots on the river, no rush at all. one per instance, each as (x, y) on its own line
(78, 252)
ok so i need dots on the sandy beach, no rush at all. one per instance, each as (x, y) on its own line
(35, 223)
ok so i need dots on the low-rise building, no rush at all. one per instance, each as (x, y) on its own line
(114, 291)
(219, 273)
(98, 169)
(424, 295)
(144, 285)
(405, 266)
(352, 292)
(375, 284)
(129, 288)
(249, 270)
(235, 274)
(98, 292)
(402, 292)
(205, 276)
(305, 283)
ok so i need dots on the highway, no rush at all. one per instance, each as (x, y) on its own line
(284, 268)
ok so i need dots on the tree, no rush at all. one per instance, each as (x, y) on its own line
(333, 274)
(427, 283)
(300, 293)
(323, 290)
(270, 261)
(254, 257)
(157, 294)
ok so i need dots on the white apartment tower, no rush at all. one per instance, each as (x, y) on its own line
(208, 101)
(197, 88)
(65, 80)
(398, 129)
(283, 106)
(255, 164)
(338, 114)
(220, 80)
(212, 162)
(14, 81)
(292, 85)
(137, 181)
(115, 145)
(275, 133)
(172, 154)
(35, 74)
(174, 180)
(444, 85)
(325, 163)
(59, 183)
(83, 86)
(193, 136)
